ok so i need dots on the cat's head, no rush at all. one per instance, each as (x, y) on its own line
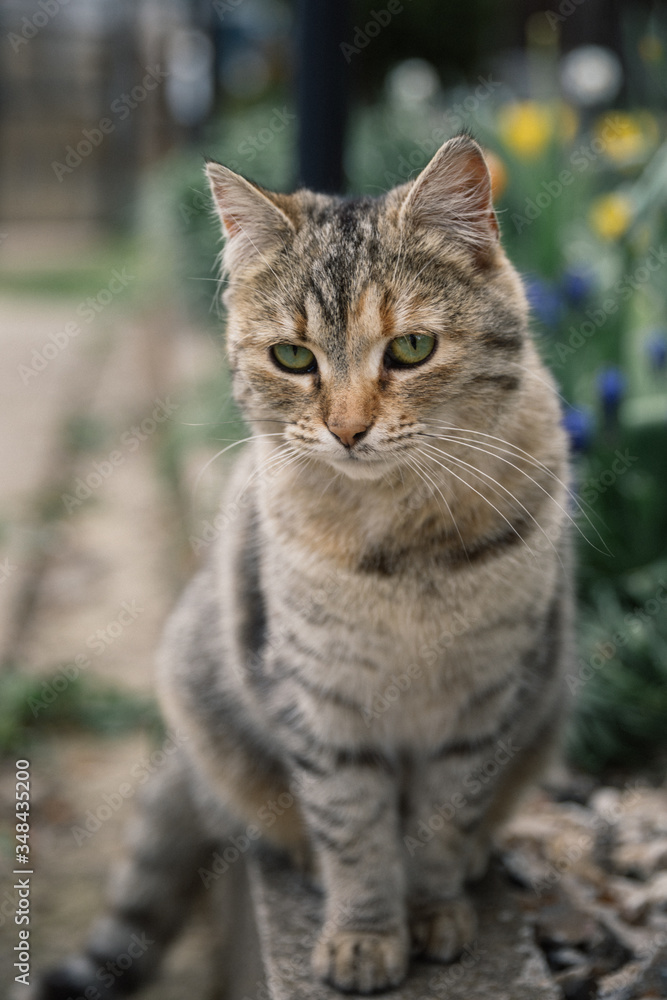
(353, 323)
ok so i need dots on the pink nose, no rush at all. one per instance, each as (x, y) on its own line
(348, 433)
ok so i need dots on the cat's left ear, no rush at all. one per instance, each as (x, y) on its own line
(253, 224)
(453, 195)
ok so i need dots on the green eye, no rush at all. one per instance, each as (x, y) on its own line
(293, 358)
(411, 349)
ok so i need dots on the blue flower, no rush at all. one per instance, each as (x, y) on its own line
(577, 285)
(656, 349)
(545, 301)
(611, 387)
(579, 427)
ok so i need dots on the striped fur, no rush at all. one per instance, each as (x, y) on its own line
(381, 633)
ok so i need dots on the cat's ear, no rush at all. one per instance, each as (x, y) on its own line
(453, 195)
(253, 225)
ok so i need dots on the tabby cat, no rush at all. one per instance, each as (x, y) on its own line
(382, 630)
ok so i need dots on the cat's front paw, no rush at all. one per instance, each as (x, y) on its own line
(361, 962)
(441, 932)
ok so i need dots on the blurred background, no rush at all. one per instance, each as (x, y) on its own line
(114, 396)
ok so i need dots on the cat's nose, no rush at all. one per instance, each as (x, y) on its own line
(350, 432)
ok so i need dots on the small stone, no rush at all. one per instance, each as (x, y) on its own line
(525, 867)
(606, 802)
(565, 786)
(637, 979)
(654, 978)
(620, 985)
(564, 958)
(629, 898)
(657, 891)
(640, 860)
(562, 924)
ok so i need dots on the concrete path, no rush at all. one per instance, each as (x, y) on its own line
(92, 556)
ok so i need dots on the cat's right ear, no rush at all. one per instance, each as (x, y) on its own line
(253, 225)
(452, 195)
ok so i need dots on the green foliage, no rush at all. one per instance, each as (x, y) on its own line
(183, 229)
(34, 705)
(620, 680)
(84, 433)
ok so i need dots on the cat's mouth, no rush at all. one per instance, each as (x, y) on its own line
(360, 465)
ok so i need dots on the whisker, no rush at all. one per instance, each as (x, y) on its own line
(518, 452)
(492, 454)
(283, 456)
(514, 447)
(481, 495)
(222, 451)
(421, 472)
(479, 473)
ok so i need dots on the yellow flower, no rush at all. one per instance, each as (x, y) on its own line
(627, 138)
(610, 215)
(526, 128)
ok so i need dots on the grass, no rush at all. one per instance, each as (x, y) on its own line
(32, 706)
(74, 275)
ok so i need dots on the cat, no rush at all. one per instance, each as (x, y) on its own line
(382, 630)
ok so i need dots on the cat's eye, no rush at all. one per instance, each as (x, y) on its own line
(410, 349)
(293, 358)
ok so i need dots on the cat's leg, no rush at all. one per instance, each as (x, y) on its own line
(150, 895)
(351, 812)
(445, 810)
(457, 800)
(521, 770)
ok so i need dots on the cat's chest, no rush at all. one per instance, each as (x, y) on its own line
(357, 627)
(374, 632)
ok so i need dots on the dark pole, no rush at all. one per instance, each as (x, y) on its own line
(321, 92)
